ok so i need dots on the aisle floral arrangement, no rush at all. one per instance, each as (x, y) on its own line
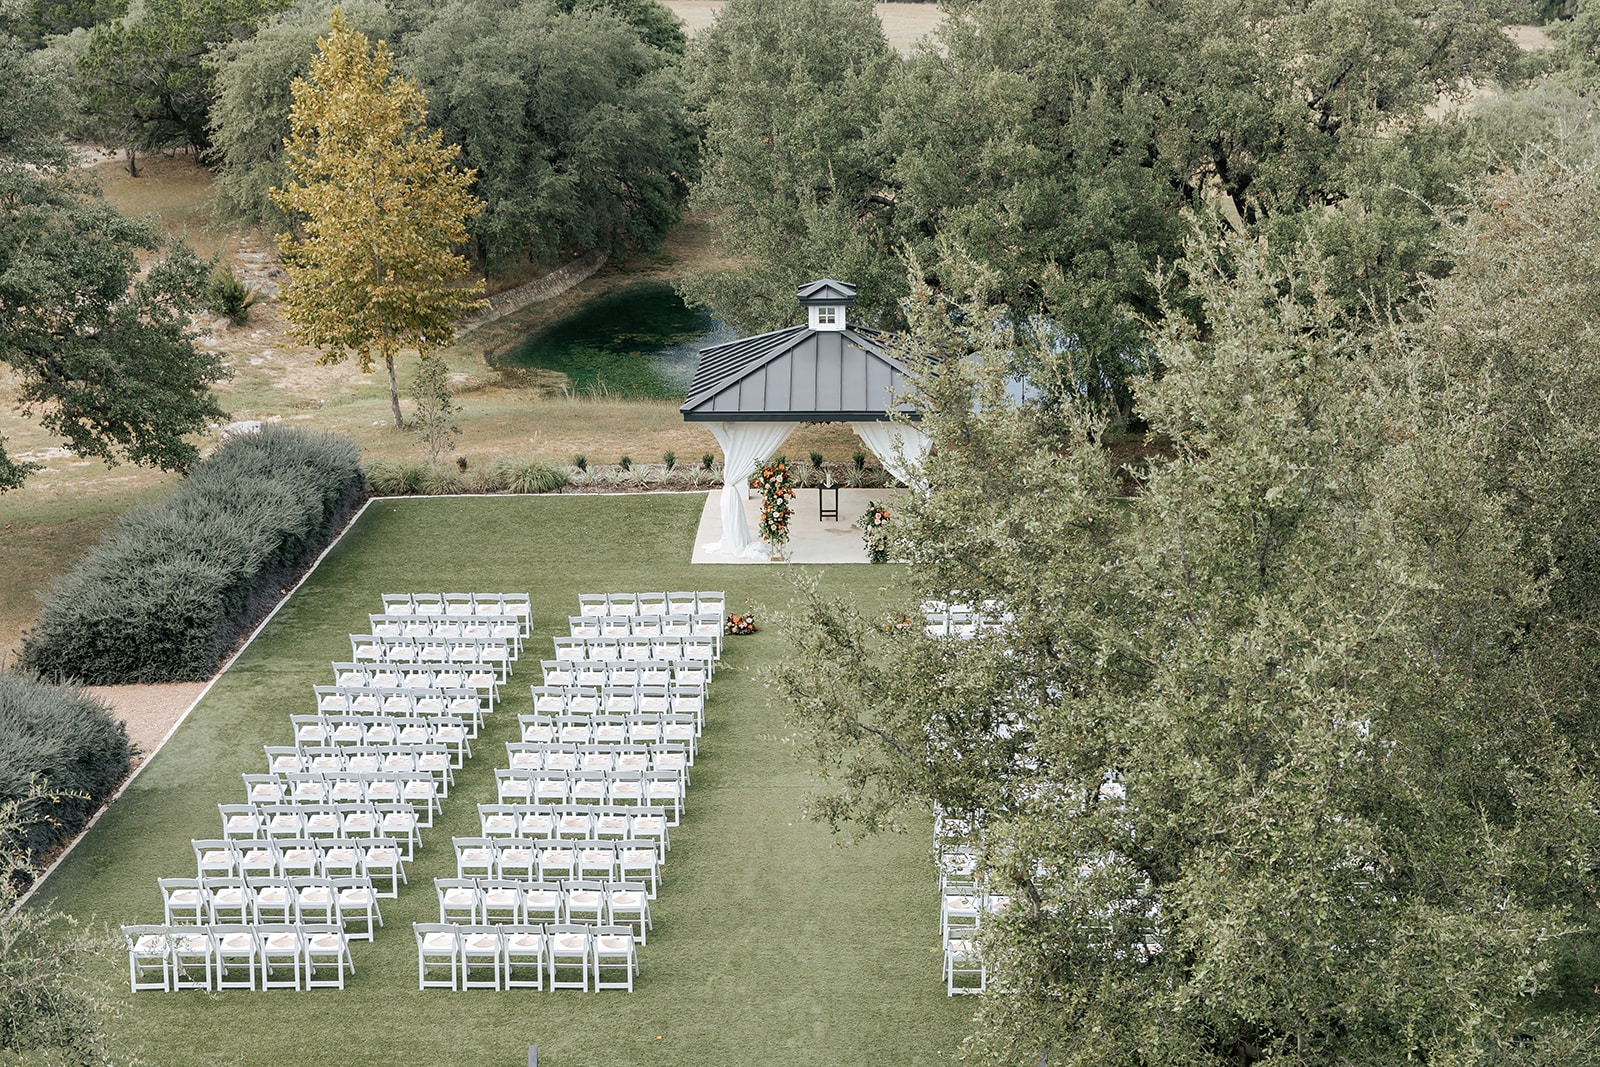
(875, 532)
(777, 488)
(739, 625)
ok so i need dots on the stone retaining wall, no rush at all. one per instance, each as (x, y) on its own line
(551, 285)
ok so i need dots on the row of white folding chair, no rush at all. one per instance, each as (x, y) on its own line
(485, 681)
(520, 858)
(701, 650)
(210, 957)
(525, 956)
(647, 626)
(964, 607)
(460, 605)
(598, 901)
(440, 760)
(380, 860)
(356, 729)
(420, 789)
(461, 652)
(680, 603)
(597, 674)
(398, 822)
(506, 628)
(542, 756)
(349, 901)
(619, 699)
(964, 627)
(636, 729)
(575, 823)
(660, 789)
(397, 700)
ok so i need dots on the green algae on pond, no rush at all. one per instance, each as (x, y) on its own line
(641, 342)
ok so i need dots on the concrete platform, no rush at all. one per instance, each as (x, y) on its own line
(811, 540)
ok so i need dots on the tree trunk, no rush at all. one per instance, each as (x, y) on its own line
(133, 162)
(394, 394)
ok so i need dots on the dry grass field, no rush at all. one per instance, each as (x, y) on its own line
(511, 413)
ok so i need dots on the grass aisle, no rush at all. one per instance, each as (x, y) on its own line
(773, 943)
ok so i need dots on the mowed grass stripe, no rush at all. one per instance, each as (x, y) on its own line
(774, 943)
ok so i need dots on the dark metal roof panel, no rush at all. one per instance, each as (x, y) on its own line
(827, 291)
(799, 374)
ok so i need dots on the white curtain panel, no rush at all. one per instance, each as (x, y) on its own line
(744, 444)
(899, 447)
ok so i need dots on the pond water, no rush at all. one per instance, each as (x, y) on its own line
(640, 342)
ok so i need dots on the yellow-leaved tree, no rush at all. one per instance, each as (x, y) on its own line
(379, 207)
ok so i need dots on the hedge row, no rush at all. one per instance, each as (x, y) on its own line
(168, 592)
(67, 741)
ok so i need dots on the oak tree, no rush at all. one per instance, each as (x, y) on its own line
(1287, 755)
(101, 343)
(379, 207)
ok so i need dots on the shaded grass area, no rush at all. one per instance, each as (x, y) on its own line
(45, 528)
(773, 944)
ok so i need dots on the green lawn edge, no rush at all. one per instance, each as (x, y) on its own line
(775, 943)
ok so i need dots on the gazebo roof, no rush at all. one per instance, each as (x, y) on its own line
(826, 291)
(799, 374)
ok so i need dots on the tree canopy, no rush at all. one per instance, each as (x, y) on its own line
(379, 207)
(101, 344)
(1060, 142)
(574, 125)
(1288, 753)
(145, 78)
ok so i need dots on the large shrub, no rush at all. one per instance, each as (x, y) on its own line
(68, 741)
(169, 591)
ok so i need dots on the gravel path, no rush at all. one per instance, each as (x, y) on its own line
(148, 710)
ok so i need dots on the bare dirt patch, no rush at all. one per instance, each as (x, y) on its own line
(903, 24)
(148, 710)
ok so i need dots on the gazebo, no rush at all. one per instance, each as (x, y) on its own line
(753, 392)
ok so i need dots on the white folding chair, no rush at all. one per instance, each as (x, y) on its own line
(458, 900)
(193, 957)
(274, 901)
(613, 951)
(585, 902)
(516, 859)
(238, 949)
(963, 968)
(357, 904)
(315, 902)
(629, 903)
(215, 857)
(571, 956)
(149, 957)
(283, 948)
(383, 862)
(482, 948)
(438, 950)
(640, 860)
(183, 901)
(500, 901)
(525, 957)
(327, 948)
(543, 902)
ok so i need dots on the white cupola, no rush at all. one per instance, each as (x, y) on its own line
(826, 302)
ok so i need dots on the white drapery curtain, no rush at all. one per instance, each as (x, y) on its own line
(901, 448)
(744, 444)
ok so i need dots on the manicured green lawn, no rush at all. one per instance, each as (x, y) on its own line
(773, 944)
